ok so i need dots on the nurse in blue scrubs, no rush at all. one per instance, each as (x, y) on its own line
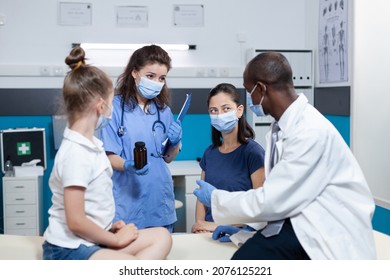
(141, 113)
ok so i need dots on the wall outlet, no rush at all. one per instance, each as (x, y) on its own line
(241, 37)
(45, 70)
(200, 72)
(224, 72)
(212, 72)
(58, 71)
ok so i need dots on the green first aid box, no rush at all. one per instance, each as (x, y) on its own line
(23, 145)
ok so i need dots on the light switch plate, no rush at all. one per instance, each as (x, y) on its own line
(2, 19)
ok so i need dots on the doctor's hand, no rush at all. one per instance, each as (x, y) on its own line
(223, 233)
(174, 133)
(204, 193)
(129, 165)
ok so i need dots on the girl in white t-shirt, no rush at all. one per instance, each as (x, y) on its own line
(80, 222)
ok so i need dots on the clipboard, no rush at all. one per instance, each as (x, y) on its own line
(184, 108)
(180, 117)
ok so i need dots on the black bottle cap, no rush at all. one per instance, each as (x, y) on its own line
(139, 144)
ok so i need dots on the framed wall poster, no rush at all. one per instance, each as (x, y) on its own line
(70, 13)
(188, 15)
(333, 41)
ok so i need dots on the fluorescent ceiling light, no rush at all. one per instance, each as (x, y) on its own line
(102, 46)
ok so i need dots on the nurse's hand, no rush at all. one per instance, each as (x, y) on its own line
(204, 193)
(129, 165)
(174, 133)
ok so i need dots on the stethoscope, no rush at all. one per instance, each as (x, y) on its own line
(122, 128)
(158, 123)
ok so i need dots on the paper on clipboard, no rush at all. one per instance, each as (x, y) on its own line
(184, 109)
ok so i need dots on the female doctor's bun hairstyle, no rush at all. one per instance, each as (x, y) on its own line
(245, 131)
(126, 86)
(83, 84)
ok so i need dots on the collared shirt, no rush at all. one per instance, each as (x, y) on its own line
(80, 162)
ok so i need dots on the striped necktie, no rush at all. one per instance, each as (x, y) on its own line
(274, 139)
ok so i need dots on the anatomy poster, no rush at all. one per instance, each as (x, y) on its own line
(333, 41)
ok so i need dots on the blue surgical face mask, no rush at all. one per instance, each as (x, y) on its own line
(148, 88)
(224, 123)
(257, 109)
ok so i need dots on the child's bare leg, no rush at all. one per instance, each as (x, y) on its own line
(151, 244)
(111, 254)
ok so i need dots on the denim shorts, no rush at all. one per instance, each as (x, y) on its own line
(53, 252)
(169, 228)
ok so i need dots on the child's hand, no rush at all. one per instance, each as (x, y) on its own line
(125, 235)
(117, 226)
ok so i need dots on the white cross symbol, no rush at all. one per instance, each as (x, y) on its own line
(24, 148)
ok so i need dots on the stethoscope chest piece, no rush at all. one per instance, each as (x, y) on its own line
(121, 131)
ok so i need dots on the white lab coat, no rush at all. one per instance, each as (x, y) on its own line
(317, 182)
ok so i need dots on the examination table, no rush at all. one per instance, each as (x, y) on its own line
(185, 247)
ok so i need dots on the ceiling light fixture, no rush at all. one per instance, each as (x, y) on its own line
(104, 46)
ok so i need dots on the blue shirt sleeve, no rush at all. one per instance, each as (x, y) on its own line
(203, 161)
(255, 156)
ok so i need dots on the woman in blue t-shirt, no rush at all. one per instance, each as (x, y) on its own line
(234, 161)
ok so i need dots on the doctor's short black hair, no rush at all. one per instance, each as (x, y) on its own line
(271, 68)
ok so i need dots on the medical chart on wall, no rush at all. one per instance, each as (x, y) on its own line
(132, 16)
(333, 41)
(188, 15)
(74, 13)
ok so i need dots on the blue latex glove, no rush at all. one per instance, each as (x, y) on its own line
(223, 233)
(204, 193)
(174, 133)
(129, 165)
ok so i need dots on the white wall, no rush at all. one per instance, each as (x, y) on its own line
(31, 36)
(370, 95)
